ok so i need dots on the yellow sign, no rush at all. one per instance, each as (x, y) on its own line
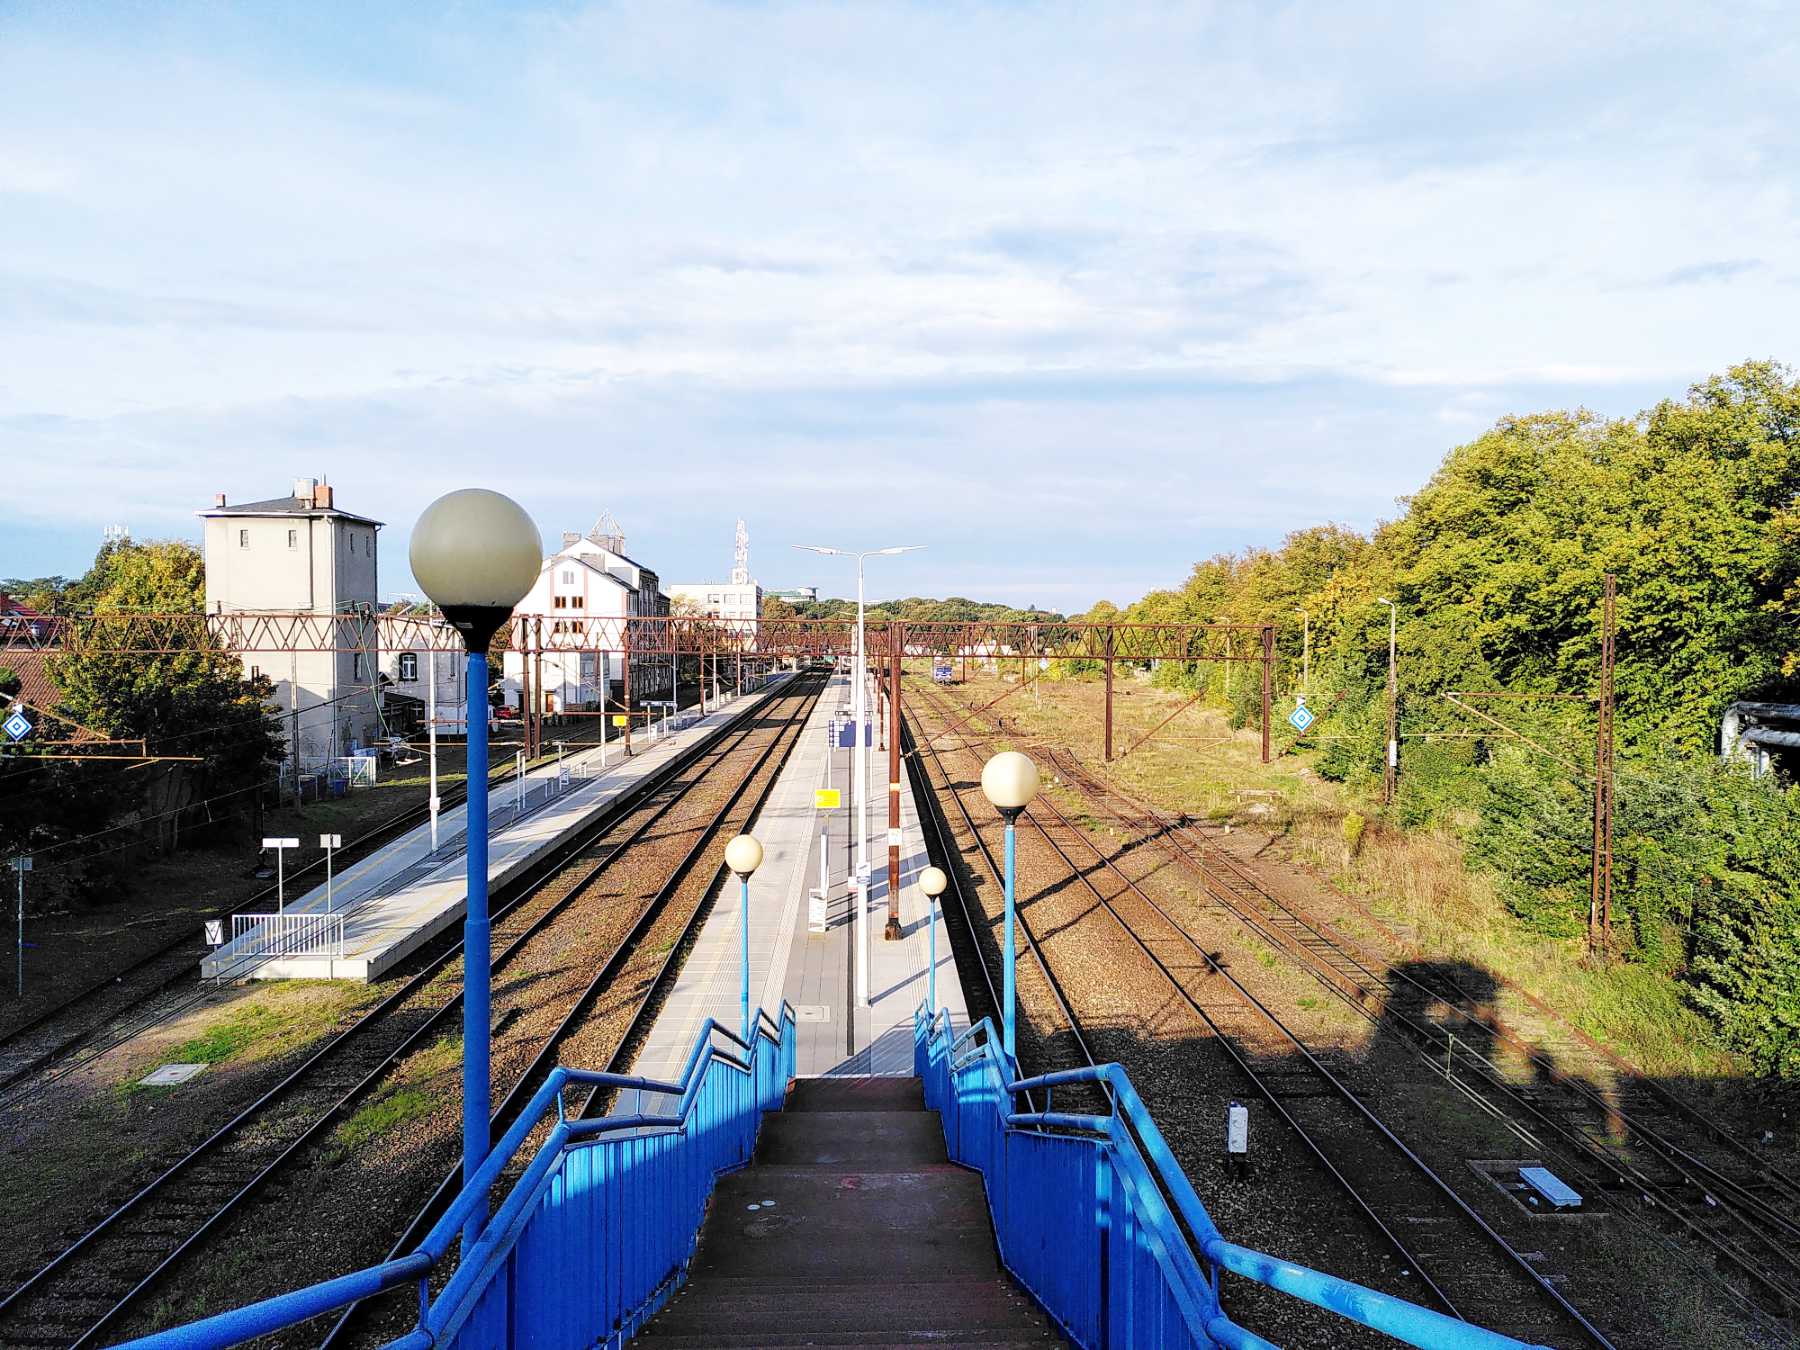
(824, 799)
(619, 719)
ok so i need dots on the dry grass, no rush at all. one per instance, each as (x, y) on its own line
(1416, 881)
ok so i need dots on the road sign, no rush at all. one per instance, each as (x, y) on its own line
(827, 799)
(17, 726)
(21, 864)
(215, 932)
(1302, 717)
(619, 719)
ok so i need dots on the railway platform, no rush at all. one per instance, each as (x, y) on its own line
(400, 897)
(814, 970)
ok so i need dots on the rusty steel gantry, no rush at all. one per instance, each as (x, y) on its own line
(670, 638)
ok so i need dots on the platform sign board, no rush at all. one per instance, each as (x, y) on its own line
(281, 843)
(18, 726)
(815, 910)
(827, 799)
(619, 719)
(215, 932)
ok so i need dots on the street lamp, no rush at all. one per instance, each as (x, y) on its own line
(476, 553)
(1009, 780)
(860, 758)
(1391, 770)
(932, 881)
(744, 855)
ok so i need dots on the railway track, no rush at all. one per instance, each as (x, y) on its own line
(115, 1004)
(91, 1287)
(1638, 1148)
(1329, 1116)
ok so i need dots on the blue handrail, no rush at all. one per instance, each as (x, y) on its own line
(724, 1089)
(1050, 1175)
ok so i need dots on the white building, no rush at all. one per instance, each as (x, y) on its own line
(582, 595)
(301, 552)
(408, 674)
(740, 598)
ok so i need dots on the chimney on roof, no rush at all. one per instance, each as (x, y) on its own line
(571, 537)
(218, 500)
(322, 496)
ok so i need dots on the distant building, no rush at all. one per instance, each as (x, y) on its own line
(581, 594)
(740, 598)
(302, 552)
(796, 595)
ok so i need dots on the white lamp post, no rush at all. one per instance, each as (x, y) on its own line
(1009, 780)
(476, 553)
(743, 855)
(932, 881)
(860, 760)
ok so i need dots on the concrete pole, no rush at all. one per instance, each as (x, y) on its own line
(896, 651)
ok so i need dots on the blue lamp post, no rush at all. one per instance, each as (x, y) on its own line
(932, 881)
(476, 553)
(743, 855)
(1009, 780)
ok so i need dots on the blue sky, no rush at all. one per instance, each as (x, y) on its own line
(1074, 294)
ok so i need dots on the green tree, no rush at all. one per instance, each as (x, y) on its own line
(194, 701)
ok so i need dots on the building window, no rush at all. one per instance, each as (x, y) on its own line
(712, 599)
(409, 666)
(293, 539)
(243, 539)
(359, 667)
(568, 576)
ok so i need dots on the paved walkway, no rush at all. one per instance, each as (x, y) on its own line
(401, 896)
(813, 970)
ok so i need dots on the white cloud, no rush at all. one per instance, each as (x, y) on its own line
(1097, 265)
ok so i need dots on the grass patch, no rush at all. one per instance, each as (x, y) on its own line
(1415, 880)
(411, 1094)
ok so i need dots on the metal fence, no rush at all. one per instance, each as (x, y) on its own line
(257, 937)
(1097, 1219)
(596, 1233)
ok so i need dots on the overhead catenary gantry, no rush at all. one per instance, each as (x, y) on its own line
(673, 638)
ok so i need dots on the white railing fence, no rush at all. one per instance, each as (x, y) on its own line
(262, 936)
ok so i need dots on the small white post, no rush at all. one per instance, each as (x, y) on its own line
(328, 842)
(280, 846)
(21, 865)
(519, 795)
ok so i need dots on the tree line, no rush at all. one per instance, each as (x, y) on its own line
(1497, 567)
(87, 820)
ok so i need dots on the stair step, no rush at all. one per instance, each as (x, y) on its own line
(926, 1225)
(882, 1310)
(890, 1340)
(895, 1141)
(856, 1094)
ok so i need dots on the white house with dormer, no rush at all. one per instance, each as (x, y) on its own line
(582, 594)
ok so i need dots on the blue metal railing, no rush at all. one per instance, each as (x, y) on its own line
(537, 1275)
(1095, 1217)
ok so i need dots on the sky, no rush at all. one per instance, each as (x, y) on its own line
(1073, 294)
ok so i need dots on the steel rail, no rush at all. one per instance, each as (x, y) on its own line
(1024, 923)
(519, 1093)
(633, 800)
(1271, 1096)
(358, 848)
(1334, 979)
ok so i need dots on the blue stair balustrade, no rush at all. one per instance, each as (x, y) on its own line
(596, 1233)
(1082, 1212)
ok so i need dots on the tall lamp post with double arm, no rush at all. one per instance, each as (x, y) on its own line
(860, 759)
(476, 553)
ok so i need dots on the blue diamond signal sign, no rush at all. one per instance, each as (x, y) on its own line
(17, 727)
(1302, 717)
